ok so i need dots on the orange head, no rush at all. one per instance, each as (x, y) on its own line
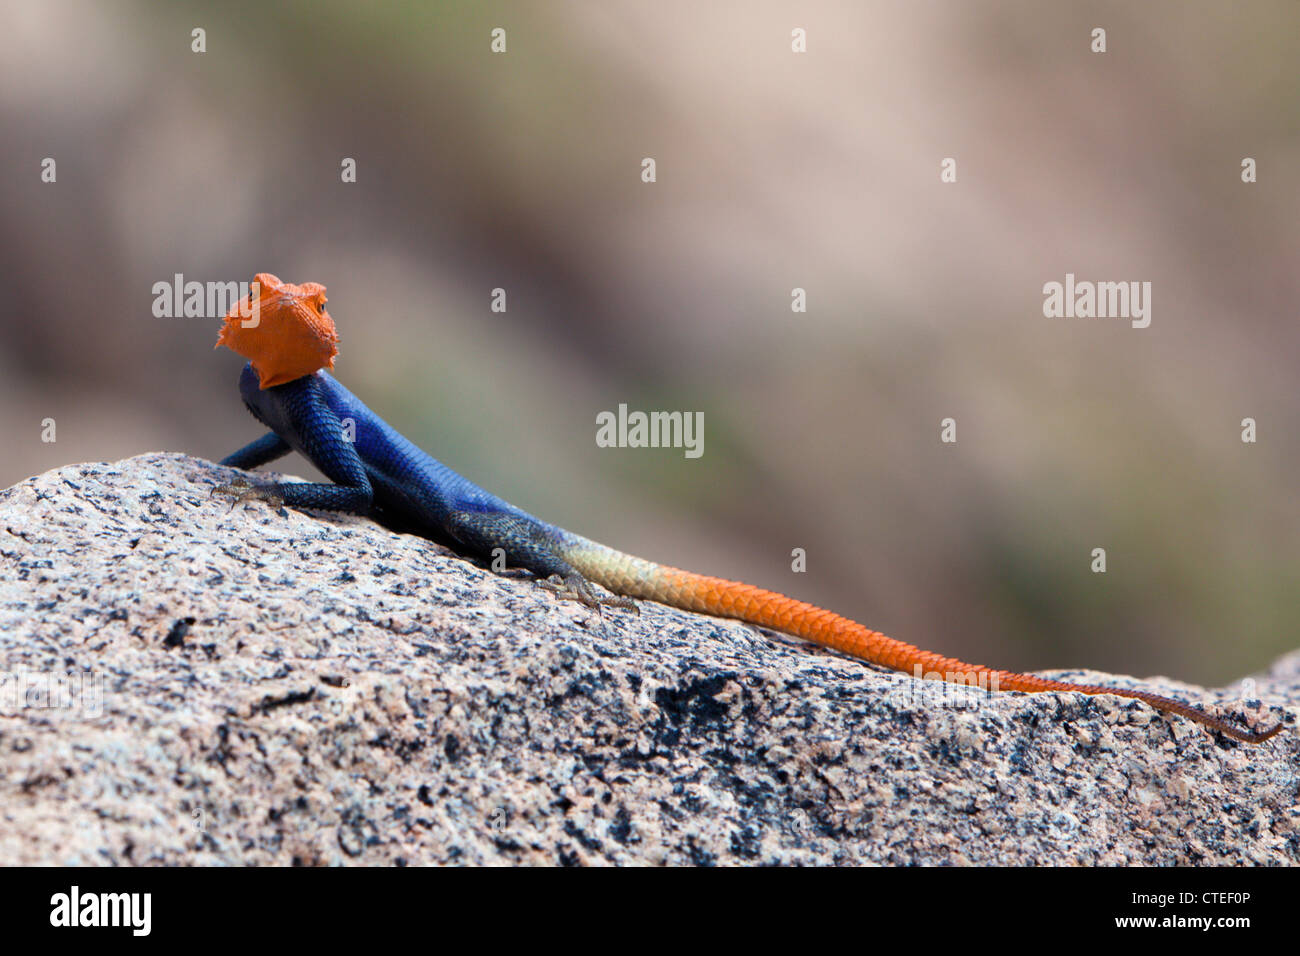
(282, 329)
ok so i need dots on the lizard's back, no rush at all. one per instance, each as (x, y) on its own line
(413, 491)
(410, 485)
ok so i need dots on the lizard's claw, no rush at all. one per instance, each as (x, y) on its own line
(577, 588)
(241, 490)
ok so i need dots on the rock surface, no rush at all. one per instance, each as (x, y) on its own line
(183, 682)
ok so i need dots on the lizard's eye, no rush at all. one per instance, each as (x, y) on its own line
(320, 306)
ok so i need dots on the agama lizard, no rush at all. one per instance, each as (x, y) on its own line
(292, 340)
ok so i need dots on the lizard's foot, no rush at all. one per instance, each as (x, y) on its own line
(577, 588)
(241, 489)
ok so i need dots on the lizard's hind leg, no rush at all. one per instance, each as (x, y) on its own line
(575, 587)
(534, 546)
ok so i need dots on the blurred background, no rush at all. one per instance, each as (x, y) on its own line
(775, 170)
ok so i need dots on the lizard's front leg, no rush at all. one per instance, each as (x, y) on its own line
(239, 490)
(300, 494)
(266, 449)
(304, 415)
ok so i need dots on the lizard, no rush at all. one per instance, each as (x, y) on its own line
(290, 340)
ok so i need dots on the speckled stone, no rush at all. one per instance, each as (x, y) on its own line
(183, 682)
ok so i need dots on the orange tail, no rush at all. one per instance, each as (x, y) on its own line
(638, 578)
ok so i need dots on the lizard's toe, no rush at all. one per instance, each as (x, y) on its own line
(577, 588)
(239, 490)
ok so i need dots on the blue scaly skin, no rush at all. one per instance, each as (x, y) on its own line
(384, 475)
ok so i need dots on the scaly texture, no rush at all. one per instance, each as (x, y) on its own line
(375, 470)
(635, 577)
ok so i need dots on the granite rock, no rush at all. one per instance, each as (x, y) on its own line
(183, 682)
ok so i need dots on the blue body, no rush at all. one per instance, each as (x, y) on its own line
(382, 473)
